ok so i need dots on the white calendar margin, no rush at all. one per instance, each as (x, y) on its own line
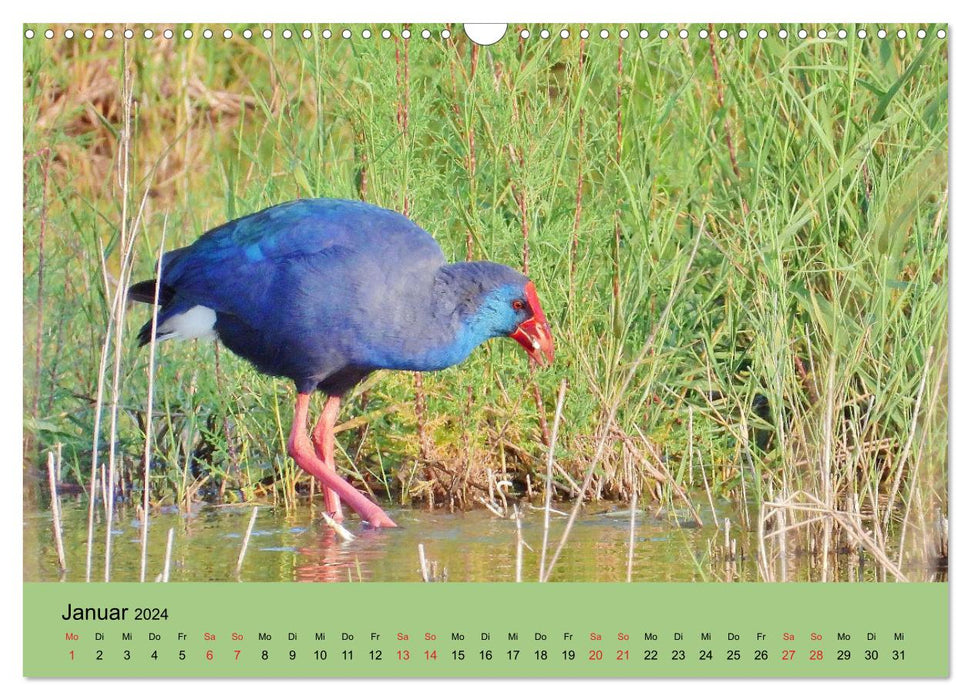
(830, 11)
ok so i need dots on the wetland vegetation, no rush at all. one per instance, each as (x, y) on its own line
(741, 246)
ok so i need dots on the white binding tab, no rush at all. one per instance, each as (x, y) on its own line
(485, 34)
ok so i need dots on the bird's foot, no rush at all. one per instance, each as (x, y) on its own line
(306, 458)
(380, 519)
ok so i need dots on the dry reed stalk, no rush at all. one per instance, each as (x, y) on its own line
(491, 507)
(763, 560)
(942, 529)
(500, 484)
(622, 389)
(56, 511)
(544, 428)
(423, 563)
(804, 523)
(872, 493)
(630, 539)
(119, 305)
(168, 555)
(827, 535)
(549, 476)
(905, 523)
(341, 531)
(827, 461)
(704, 479)
(729, 553)
(747, 451)
(519, 544)
(104, 485)
(116, 319)
(93, 489)
(574, 486)
(942, 376)
(905, 453)
(147, 456)
(728, 531)
(249, 532)
(852, 526)
(691, 444)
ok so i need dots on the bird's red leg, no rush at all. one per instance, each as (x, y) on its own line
(302, 450)
(323, 439)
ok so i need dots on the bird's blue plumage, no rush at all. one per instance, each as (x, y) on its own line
(325, 291)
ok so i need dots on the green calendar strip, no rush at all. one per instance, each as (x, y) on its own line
(474, 629)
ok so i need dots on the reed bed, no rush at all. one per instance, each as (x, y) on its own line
(741, 246)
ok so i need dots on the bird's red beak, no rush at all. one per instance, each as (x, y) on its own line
(534, 333)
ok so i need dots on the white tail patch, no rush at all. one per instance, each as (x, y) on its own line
(197, 322)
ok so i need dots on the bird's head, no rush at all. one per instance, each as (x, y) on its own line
(504, 302)
(532, 331)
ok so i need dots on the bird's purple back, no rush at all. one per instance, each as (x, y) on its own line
(308, 288)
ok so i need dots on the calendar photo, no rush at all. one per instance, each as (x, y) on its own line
(492, 318)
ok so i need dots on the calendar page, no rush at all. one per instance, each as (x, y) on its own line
(518, 350)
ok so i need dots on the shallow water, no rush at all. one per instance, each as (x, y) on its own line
(471, 546)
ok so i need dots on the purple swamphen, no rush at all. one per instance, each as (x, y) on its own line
(326, 291)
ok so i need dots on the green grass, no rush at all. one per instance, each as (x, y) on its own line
(798, 346)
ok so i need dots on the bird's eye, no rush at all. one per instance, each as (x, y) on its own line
(518, 304)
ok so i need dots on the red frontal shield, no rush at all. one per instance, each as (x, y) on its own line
(534, 333)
